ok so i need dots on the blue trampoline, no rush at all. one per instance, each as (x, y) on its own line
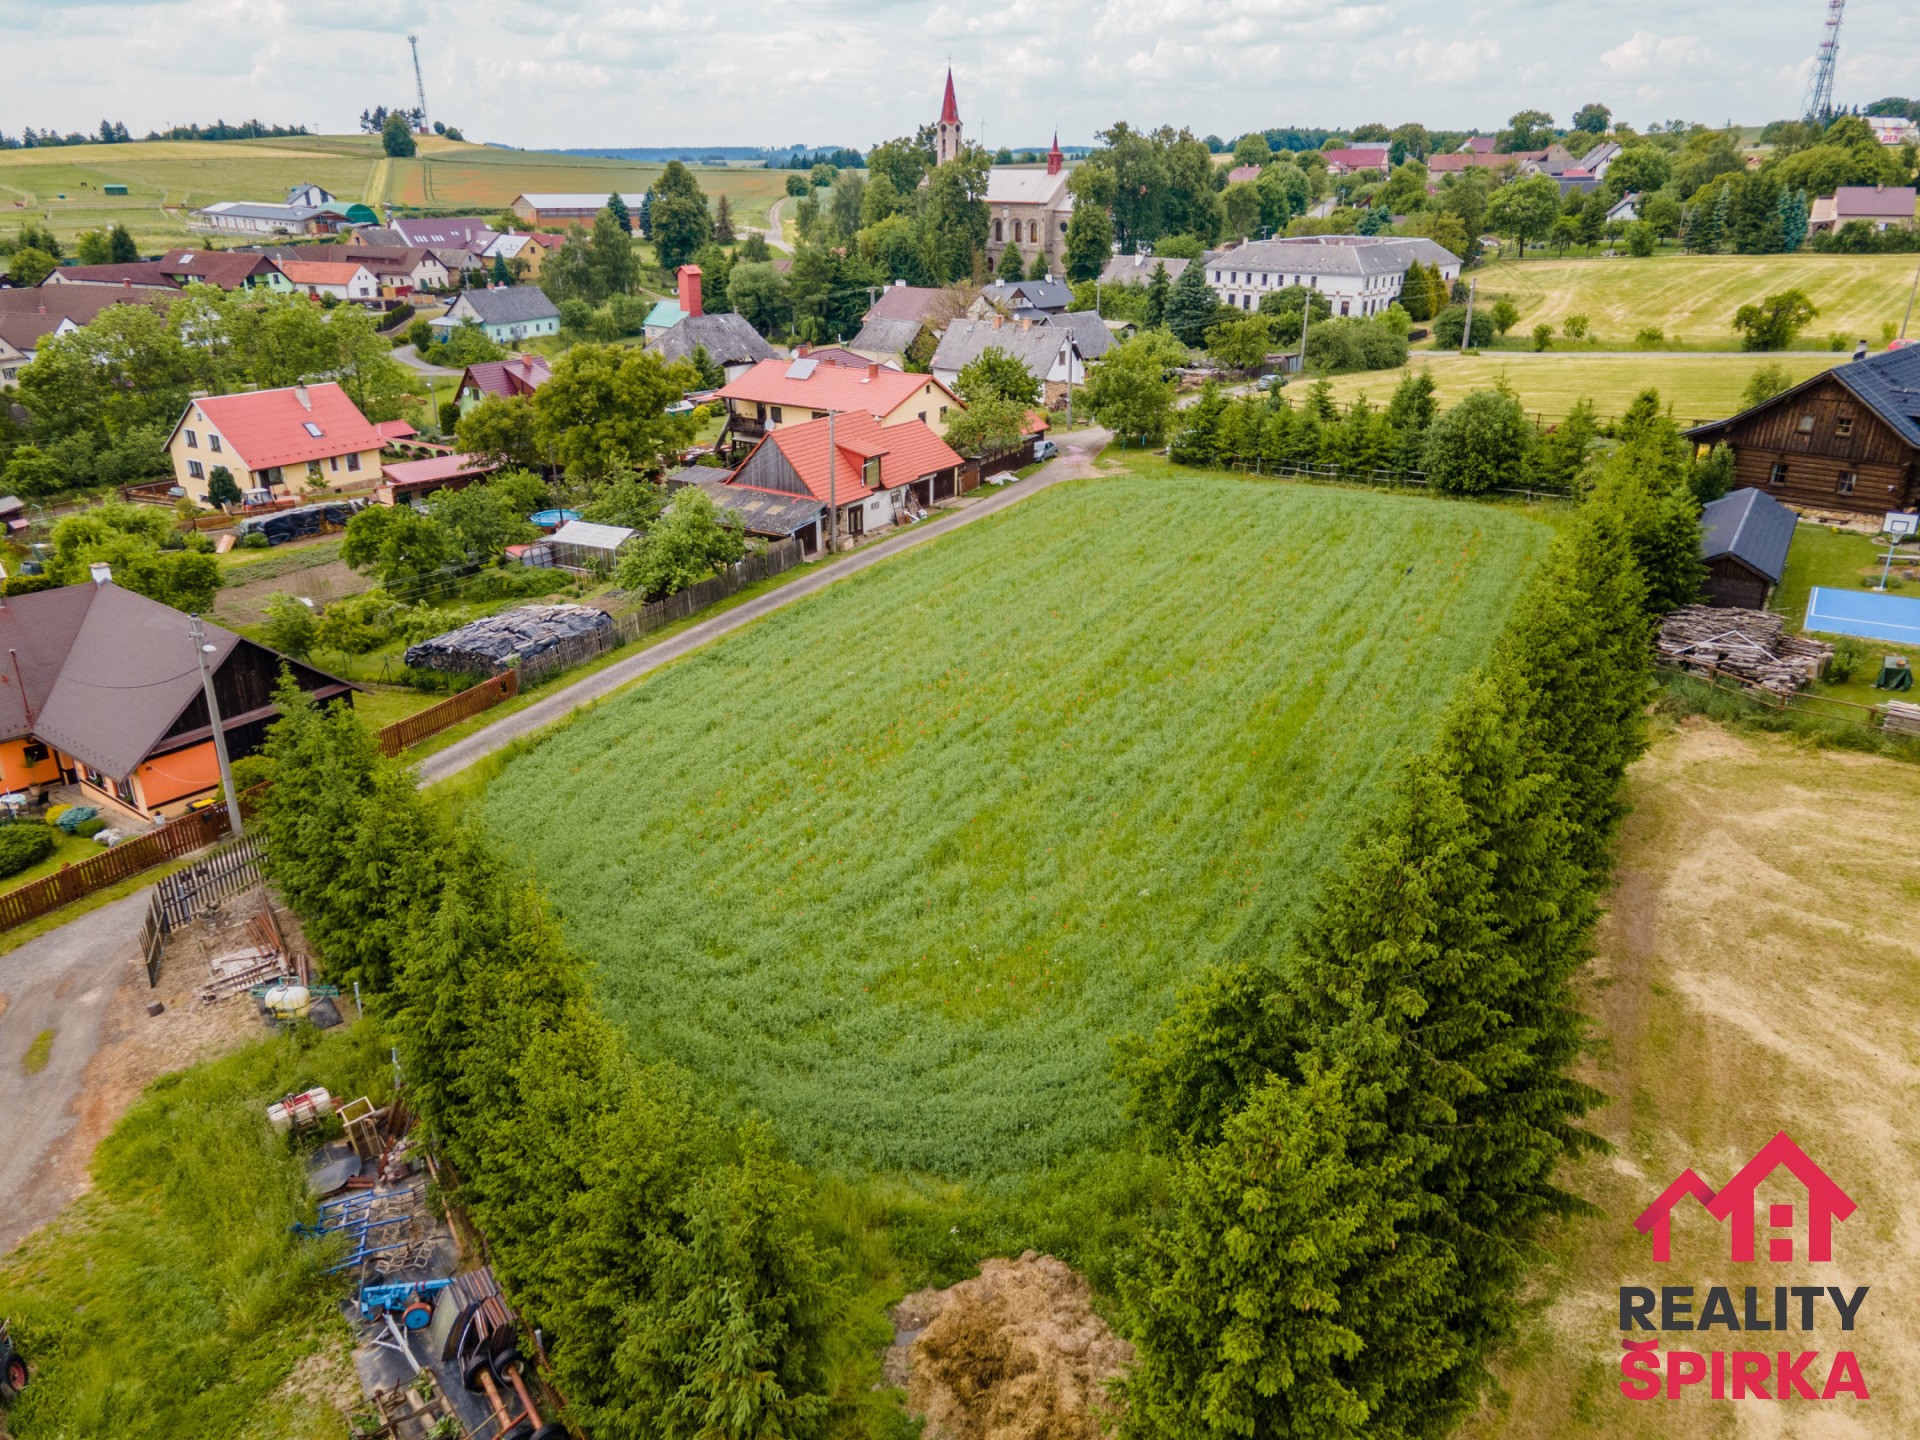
(1869, 614)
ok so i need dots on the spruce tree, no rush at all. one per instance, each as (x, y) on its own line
(1190, 305)
(723, 220)
(1012, 266)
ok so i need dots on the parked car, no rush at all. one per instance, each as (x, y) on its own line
(1045, 450)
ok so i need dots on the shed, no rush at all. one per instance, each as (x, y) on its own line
(588, 546)
(1744, 538)
(112, 188)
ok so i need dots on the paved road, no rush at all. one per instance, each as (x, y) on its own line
(82, 981)
(776, 232)
(410, 357)
(1078, 450)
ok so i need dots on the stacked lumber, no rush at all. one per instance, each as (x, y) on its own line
(1751, 646)
(1901, 717)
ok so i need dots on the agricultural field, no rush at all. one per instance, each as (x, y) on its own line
(1756, 973)
(1692, 298)
(1698, 387)
(896, 866)
(166, 178)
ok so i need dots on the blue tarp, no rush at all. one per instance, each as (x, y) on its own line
(1869, 614)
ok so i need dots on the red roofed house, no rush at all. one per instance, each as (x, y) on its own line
(872, 475)
(1357, 157)
(1243, 174)
(103, 690)
(226, 269)
(792, 392)
(517, 375)
(275, 441)
(342, 279)
(405, 481)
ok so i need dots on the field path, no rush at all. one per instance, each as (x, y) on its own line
(1078, 450)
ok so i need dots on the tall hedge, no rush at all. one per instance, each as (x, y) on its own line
(1425, 1019)
(666, 1256)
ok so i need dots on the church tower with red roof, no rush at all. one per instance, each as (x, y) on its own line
(946, 144)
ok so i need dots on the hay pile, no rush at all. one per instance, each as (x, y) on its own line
(1017, 1354)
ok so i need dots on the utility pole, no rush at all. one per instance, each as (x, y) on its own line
(1306, 319)
(419, 85)
(1912, 290)
(200, 651)
(1466, 331)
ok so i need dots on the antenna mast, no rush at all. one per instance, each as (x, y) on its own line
(1820, 87)
(420, 85)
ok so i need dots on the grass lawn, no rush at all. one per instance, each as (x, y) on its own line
(896, 865)
(67, 850)
(165, 179)
(1755, 973)
(1840, 560)
(1698, 387)
(1693, 297)
(170, 1301)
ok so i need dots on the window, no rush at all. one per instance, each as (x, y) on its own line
(1778, 475)
(999, 231)
(193, 441)
(922, 417)
(213, 442)
(313, 470)
(1844, 425)
(943, 412)
(1806, 425)
(775, 410)
(1847, 479)
(819, 415)
(870, 472)
(313, 430)
(333, 463)
(196, 470)
(353, 462)
(33, 753)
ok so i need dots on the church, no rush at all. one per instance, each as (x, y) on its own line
(1027, 207)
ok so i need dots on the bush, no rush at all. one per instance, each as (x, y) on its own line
(1847, 655)
(1449, 326)
(1650, 337)
(24, 843)
(1481, 444)
(87, 829)
(254, 540)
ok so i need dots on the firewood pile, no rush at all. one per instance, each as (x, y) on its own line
(1900, 717)
(1750, 645)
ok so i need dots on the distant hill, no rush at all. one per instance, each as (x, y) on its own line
(690, 154)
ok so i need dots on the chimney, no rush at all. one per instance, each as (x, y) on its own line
(800, 351)
(526, 362)
(873, 370)
(300, 394)
(1860, 350)
(1026, 322)
(102, 572)
(998, 320)
(690, 289)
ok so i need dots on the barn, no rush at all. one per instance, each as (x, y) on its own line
(1744, 539)
(1846, 440)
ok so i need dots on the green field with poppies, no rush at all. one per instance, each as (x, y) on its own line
(896, 865)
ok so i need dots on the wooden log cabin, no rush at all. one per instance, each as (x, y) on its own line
(1848, 439)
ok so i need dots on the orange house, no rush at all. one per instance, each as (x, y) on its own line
(100, 688)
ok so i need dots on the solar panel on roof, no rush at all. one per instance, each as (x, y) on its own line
(801, 369)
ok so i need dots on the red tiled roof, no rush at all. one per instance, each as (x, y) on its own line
(1357, 159)
(437, 467)
(137, 272)
(322, 272)
(874, 391)
(1482, 144)
(394, 430)
(268, 427)
(227, 269)
(906, 452)
(1241, 173)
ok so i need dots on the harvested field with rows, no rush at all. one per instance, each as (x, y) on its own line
(895, 866)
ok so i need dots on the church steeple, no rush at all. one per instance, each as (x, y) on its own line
(1054, 158)
(946, 145)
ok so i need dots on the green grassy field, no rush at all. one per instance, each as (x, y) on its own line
(1693, 297)
(170, 1301)
(1698, 387)
(896, 865)
(63, 186)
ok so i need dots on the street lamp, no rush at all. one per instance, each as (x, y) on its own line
(202, 649)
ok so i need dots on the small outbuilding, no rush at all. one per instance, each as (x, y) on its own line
(1744, 539)
(490, 645)
(587, 546)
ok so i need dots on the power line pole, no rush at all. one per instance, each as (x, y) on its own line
(1825, 61)
(200, 651)
(419, 85)
(1912, 290)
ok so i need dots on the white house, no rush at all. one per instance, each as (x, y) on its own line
(342, 279)
(1359, 274)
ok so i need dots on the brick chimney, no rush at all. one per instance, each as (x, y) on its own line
(802, 350)
(873, 370)
(690, 289)
(999, 320)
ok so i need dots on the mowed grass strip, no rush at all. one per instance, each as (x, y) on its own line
(1697, 387)
(896, 865)
(1692, 298)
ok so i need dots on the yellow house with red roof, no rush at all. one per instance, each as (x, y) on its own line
(275, 443)
(794, 392)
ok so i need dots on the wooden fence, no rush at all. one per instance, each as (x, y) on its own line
(449, 712)
(780, 556)
(180, 896)
(125, 860)
(1846, 712)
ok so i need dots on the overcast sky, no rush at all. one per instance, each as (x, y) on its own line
(568, 73)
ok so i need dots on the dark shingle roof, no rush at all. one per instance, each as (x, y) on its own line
(1889, 385)
(1090, 332)
(1033, 294)
(1752, 527)
(511, 303)
(765, 512)
(729, 340)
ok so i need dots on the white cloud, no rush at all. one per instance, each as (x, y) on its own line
(671, 72)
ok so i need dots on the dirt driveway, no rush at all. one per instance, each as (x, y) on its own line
(77, 1046)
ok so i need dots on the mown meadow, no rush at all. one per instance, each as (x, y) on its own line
(897, 866)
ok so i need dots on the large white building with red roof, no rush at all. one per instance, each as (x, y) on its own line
(275, 443)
